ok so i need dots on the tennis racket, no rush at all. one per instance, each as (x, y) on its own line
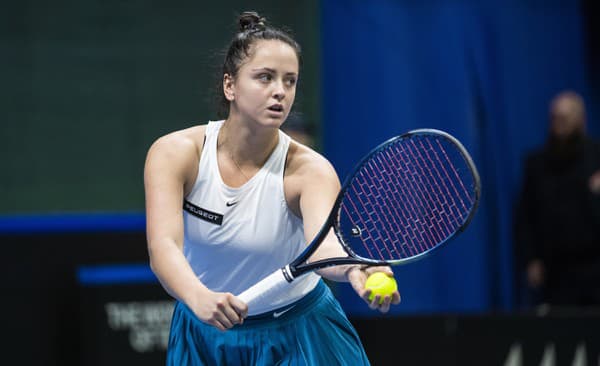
(407, 197)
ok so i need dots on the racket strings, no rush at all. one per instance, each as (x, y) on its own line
(407, 198)
(399, 194)
(452, 181)
(421, 199)
(466, 193)
(445, 198)
(416, 196)
(434, 188)
(360, 221)
(387, 216)
(368, 200)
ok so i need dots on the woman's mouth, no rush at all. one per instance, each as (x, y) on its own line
(277, 108)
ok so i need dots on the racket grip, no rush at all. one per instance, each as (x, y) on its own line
(269, 288)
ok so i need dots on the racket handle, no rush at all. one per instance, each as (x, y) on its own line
(270, 287)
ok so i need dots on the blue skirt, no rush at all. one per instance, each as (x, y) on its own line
(311, 331)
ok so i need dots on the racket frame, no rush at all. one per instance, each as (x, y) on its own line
(299, 266)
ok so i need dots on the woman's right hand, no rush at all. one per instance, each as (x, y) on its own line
(222, 310)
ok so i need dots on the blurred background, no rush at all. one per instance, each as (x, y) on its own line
(88, 85)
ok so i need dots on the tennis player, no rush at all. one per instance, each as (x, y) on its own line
(252, 198)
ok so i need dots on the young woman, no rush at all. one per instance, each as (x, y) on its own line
(252, 198)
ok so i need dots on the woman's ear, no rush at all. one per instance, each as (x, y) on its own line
(228, 87)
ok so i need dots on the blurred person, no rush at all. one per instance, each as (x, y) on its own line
(557, 227)
(231, 201)
(299, 130)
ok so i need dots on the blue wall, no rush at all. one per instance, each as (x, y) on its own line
(484, 73)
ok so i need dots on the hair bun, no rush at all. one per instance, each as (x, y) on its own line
(250, 21)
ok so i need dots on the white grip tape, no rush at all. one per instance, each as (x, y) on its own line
(271, 287)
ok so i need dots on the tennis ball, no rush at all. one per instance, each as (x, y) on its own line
(380, 284)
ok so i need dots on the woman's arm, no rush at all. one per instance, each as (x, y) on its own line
(319, 186)
(170, 169)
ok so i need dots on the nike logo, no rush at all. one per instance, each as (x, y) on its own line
(277, 314)
(229, 204)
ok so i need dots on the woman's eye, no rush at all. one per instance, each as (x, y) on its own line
(265, 77)
(291, 82)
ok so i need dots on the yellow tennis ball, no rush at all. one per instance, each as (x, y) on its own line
(380, 284)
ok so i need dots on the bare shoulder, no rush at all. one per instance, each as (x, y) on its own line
(176, 153)
(180, 142)
(308, 174)
(306, 164)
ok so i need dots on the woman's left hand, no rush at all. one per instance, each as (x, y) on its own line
(357, 276)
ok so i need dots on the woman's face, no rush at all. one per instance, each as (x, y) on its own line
(265, 87)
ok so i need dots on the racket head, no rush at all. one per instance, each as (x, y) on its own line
(407, 197)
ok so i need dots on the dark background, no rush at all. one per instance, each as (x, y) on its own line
(87, 86)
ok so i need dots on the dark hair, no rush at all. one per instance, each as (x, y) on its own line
(251, 28)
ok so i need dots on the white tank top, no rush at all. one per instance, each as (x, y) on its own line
(234, 237)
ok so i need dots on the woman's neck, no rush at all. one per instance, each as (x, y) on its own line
(248, 147)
